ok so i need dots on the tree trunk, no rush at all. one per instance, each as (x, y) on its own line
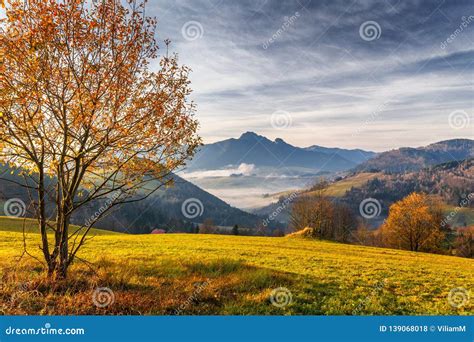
(61, 268)
(63, 262)
(42, 223)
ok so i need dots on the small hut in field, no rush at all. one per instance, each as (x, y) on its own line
(158, 231)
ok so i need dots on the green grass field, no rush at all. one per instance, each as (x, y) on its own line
(13, 224)
(338, 189)
(458, 217)
(212, 274)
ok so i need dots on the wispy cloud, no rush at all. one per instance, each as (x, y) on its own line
(320, 70)
(242, 170)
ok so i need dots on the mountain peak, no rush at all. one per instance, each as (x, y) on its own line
(248, 135)
(251, 135)
(268, 156)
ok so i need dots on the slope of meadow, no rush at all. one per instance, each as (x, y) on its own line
(338, 189)
(212, 274)
(13, 224)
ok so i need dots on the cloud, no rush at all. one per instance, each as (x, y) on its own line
(242, 170)
(245, 169)
(320, 70)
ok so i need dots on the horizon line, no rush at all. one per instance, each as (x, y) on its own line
(326, 146)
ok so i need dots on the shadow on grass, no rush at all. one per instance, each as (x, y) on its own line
(167, 287)
(184, 287)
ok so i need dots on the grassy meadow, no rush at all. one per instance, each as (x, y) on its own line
(223, 275)
(338, 189)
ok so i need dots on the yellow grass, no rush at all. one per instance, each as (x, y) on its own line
(338, 189)
(212, 274)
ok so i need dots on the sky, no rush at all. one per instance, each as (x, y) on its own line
(364, 74)
(355, 74)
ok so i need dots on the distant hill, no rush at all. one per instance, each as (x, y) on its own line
(356, 156)
(164, 209)
(452, 182)
(161, 210)
(413, 159)
(255, 149)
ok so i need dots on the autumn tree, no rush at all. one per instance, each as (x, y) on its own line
(366, 236)
(344, 223)
(208, 227)
(464, 242)
(312, 210)
(363, 236)
(327, 219)
(84, 116)
(414, 223)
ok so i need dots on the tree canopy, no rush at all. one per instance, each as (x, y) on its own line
(80, 104)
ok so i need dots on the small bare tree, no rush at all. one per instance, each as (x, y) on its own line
(327, 219)
(464, 242)
(83, 116)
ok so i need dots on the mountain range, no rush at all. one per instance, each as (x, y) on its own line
(166, 208)
(444, 169)
(413, 159)
(257, 150)
(219, 196)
